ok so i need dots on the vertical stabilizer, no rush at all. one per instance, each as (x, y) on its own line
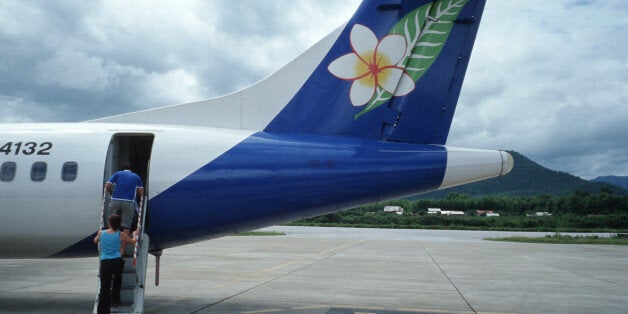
(394, 73)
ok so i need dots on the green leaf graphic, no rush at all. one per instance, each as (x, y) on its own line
(426, 29)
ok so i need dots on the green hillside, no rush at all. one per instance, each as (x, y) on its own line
(616, 180)
(528, 178)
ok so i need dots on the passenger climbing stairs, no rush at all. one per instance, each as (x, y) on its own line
(134, 274)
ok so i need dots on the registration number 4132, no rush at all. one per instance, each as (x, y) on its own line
(25, 148)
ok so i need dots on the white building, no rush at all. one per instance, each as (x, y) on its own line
(452, 213)
(393, 209)
(433, 211)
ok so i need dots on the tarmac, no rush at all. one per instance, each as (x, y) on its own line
(346, 270)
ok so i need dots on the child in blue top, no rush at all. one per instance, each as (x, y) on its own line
(111, 262)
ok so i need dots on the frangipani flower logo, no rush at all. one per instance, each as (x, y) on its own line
(380, 70)
(373, 64)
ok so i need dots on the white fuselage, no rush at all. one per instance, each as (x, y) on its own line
(207, 182)
(44, 217)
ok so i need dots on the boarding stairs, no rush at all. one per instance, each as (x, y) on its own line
(134, 274)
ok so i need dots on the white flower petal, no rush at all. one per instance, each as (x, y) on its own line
(405, 86)
(361, 93)
(363, 40)
(345, 67)
(389, 78)
(393, 47)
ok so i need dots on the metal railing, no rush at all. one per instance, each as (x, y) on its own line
(140, 225)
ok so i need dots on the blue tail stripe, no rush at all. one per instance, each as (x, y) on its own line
(312, 174)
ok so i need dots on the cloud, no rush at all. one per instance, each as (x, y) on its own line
(22, 110)
(177, 86)
(72, 69)
(105, 58)
(549, 81)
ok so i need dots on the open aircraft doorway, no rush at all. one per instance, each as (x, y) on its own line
(133, 149)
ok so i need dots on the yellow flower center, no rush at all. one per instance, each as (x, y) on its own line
(373, 67)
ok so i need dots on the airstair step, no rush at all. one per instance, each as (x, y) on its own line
(127, 294)
(123, 308)
(129, 279)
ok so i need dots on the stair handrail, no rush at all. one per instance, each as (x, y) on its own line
(102, 212)
(140, 227)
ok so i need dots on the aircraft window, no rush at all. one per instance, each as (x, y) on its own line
(7, 173)
(38, 171)
(69, 172)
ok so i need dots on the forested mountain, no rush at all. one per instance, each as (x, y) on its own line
(616, 180)
(528, 178)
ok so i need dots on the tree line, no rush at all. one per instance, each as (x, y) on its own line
(577, 203)
(580, 211)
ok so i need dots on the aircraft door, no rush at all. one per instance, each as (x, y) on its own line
(133, 149)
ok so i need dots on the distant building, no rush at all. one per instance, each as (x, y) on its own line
(539, 214)
(452, 213)
(433, 211)
(393, 209)
(438, 211)
(486, 213)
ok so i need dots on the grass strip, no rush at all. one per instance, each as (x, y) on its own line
(566, 239)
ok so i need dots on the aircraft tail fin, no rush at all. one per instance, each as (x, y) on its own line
(394, 73)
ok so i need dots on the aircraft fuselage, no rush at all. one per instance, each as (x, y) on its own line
(202, 182)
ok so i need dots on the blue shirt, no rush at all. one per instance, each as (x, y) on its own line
(110, 245)
(126, 182)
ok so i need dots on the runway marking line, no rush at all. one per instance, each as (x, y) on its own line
(343, 246)
(240, 279)
(269, 270)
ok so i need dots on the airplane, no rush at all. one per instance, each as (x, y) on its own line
(361, 117)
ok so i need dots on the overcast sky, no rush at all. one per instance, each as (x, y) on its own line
(547, 78)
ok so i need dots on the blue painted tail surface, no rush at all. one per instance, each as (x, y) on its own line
(394, 73)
